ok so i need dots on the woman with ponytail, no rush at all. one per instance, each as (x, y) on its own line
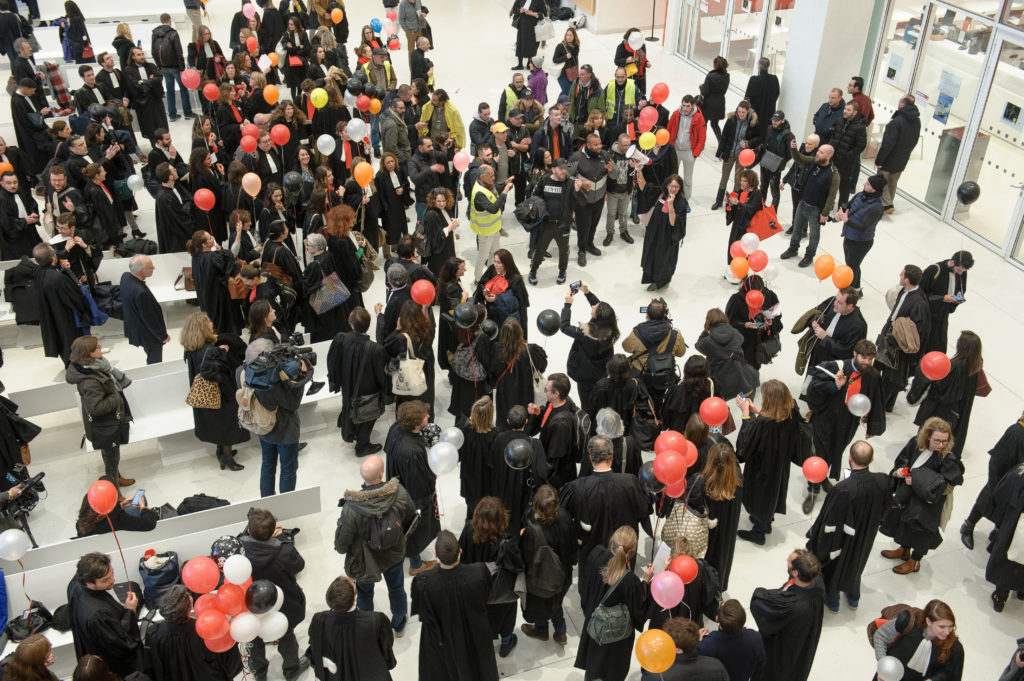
(925, 641)
(608, 575)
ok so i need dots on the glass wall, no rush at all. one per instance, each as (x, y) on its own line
(776, 37)
(744, 30)
(737, 30)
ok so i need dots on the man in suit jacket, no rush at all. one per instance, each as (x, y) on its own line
(111, 78)
(143, 319)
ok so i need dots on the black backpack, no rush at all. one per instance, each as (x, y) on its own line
(162, 50)
(546, 577)
(385, 530)
(562, 14)
(661, 372)
(200, 502)
(136, 247)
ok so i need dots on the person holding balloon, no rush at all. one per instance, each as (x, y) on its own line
(740, 132)
(951, 397)
(179, 652)
(127, 515)
(741, 209)
(683, 660)
(631, 55)
(920, 644)
(754, 311)
(700, 597)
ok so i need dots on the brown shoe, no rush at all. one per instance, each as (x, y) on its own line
(907, 567)
(531, 631)
(561, 639)
(897, 554)
(427, 564)
(125, 482)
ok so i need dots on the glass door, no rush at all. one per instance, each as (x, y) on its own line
(745, 32)
(776, 36)
(709, 32)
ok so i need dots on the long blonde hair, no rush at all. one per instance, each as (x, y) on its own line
(125, 31)
(197, 332)
(623, 548)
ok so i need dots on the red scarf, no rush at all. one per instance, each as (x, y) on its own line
(107, 192)
(310, 109)
(547, 413)
(640, 60)
(853, 385)
(234, 110)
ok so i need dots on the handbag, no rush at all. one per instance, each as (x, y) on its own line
(631, 69)
(331, 293)
(35, 620)
(538, 378)
(204, 393)
(771, 161)
(984, 388)
(189, 282)
(544, 30)
(610, 623)
(365, 408)
(764, 222)
(219, 63)
(164, 573)
(684, 521)
(467, 366)
(237, 289)
(645, 426)
(409, 378)
(294, 62)
(109, 432)
(276, 271)
(87, 52)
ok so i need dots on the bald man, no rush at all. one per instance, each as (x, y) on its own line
(371, 534)
(817, 197)
(796, 174)
(143, 319)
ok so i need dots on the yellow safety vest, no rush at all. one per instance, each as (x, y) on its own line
(629, 98)
(387, 72)
(510, 99)
(484, 224)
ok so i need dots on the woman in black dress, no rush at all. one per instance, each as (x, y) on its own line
(470, 379)
(665, 231)
(607, 575)
(484, 540)
(414, 328)
(593, 343)
(449, 294)
(347, 252)
(108, 219)
(723, 494)
(503, 290)
(438, 227)
(275, 210)
(714, 88)
(328, 324)
(513, 364)
(547, 524)
(211, 268)
(203, 174)
(952, 398)
(395, 197)
(525, 15)
(215, 358)
(229, 119)
(741, 209)
(478, 434)
(617, 391)
(760, 326)
(77, 34)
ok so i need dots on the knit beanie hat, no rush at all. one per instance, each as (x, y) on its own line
(877, 182)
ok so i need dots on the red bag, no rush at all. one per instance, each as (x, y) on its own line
(764, 223)
(294, 61)
(497, 285)
(984, 388)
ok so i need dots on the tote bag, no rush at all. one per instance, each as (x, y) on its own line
(765, 223)
(544, 30)
(331, 293)
(409, 378)
(684, 521)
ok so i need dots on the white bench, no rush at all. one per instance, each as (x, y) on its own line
(167, 267)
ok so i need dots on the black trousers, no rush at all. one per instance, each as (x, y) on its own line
(548, 231)
(715, 129)
(154, 353)
(256, 654)
(855, 252)
(587, 217)
(770, 182)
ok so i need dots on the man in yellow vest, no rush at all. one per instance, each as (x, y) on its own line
(379, 72)
(620, 102)
(485, 208)
(513, 93)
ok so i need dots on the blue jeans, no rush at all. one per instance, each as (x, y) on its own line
(172, 76)
(375, 130)
(396, 594)
(806, 218)
(557, 619)
(832, 599)
(289, 455)
(421, 210)
(415, 562)
(564, 83)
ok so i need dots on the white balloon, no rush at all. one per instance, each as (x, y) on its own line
(769, 272)
(273, 626)
(356, 129)
(14, 544)
(280, 600)
(749, 242)
(442, 457)
(135, 183)
(859, 404)
(237, 569)
(730, 277)
(454, 436)
(245, 627)
(636, 40)
(889, 669)
(325, 144)
(350, 98)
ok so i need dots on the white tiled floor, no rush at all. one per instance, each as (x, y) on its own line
(475, 48)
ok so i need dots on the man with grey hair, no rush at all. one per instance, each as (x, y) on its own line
(143, 319)
(398, 292)
(419, 65)
(24, 67)
(626, 456)
(604, 500)
(394, 133)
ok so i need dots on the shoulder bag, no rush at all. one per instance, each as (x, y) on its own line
(409, 378)
(276, 271)
(204, 393)
(189, 283)
(538, 379)
(331, 293)
(684, 521)
(610, 623)
(645, 426)
(365, 408)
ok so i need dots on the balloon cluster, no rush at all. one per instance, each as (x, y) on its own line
(747, 256)
(443, 456)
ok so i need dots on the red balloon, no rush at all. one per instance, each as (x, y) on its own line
(363, 103)
(757, 260)
(690, 455)
(248, 144)
(393, 45)
(670, 439)
(390, 14)
(190, 78)
(102, 497)
(659, 93)
(736, 249)
(211, 92)
(677, 489)
(250, 130)
(935, 365)
(669, 467)
(230, 599)
(747, 158)
(222, 644)
(754, 298)
(423, 292)
(200, 575)
(280, 134)
(204, 603)
(252, 44)
(212, 624)
(685, 567)
(815, 469)
(204, 200)
(714, 411)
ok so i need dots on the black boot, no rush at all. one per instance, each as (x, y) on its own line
(967, 535)
(228, 461)
(719, 197)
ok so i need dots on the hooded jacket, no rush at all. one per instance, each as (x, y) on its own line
(899, 139)
(752, 136)
(655, 332)
(591, 168)
(358, 508)
(776, 140)
(171, 35)
(723, 347)
(698, 130)
(99, 385)
(279, 561)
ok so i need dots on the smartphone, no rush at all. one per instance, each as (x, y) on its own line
(743, 396)
(759, 324)
(138, 498)
(575, 286)
(847, 472)
(643, 309)
(959, 299)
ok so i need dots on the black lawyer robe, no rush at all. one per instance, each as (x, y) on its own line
(146, 92)
(559, 437)
(1004, 570)
(102, 626)
(174, 225)
(30, 130)
(514, 487)
(1006, 454)
(324, 326)
(662, 239)
(395, 345)
(406, 459)
(344, 359)
(86, 97)
(789, 620)
(211, 271)
(561, 537)
(503, 554)
(701, 599)
(474, 465)
(351, 646)
(844, 531)
(59, 299)
(915, 307)
(951, 399)
(179, 654)
(738, 312)
(722, 537)
(394, 220)
(513, 384)
(213, 221)
(839, 344)
(455, 639)
(935, 285)
(767, 449)
(17, 235)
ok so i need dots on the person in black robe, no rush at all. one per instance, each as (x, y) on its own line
(19, 218)
(394, 199)
(617, 391)
(355, 366)
(451, 601)
(144, 83)
(478, 435)
(525, 15)
(547, 525)
(1005, 455)
(701, 597)
(470, 380)
(844, 531)
(1006, 570)
(723, 496)
(63, 312)
(925, 642)
(174, 224)
(952, 398)
(945, 285)
(406, 451)
(449, 295)
(398, 292)
(606, 575)
(322, 264)
(178, 653)
(626, 455)
(515, 487)
(920, 476)
(210, 271)
(100, 624)
(912, 304)
(789, 619)
(665, 230)
(557, 425)
(438, 226)
(663, 163)
(28, 117)
(347, 644)
(513, 364)
(761, 327)
(19, 161)
(415, 332)
(144, 325)
(604, 501)
(838, 327)
(203, 174)
(497, 303)
(91, 92)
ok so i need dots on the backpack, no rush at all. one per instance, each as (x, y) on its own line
(562, 14)
(252, 415)
(419, 239)
(385, 529)
(136, 247)
(892, 612)
(162, 50)
(157, 580)
(467, 365)
(200, 502)
(661, 371)
(546, 577)
(505, 305)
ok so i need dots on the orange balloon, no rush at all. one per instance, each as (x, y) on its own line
(270, 94)
(6, 167)
(655, 651)
(842, 276)
(251, 183)
(375, 106)
(661, 137)
(363, 173)
(273, 58)
(337, 15)
(739, 267)
(824, 265)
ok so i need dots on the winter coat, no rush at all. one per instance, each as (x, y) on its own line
(899, 139)
(849, 139)
(714, 89)
(776, 140)
(279, 561)
(587, 356)
(656, 333)
(698, 130)
(354, 528)
(825, 119)
(723, 347)
(100, 386)
(752, 136)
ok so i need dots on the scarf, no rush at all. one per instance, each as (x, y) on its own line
(102, 367)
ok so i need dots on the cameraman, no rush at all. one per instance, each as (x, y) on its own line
(652, 337)
(284, 395)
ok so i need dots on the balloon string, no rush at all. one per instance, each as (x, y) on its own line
(120, 551)
(657, 521)
(31, 622)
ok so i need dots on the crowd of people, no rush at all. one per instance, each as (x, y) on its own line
(293, 134)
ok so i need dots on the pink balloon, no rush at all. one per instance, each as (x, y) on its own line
(461, 161)
(249, 10)
(667, 588)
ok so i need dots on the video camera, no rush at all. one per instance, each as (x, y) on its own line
(265, 371)
(31, 488)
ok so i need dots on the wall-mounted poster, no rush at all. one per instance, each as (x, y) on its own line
(1012, 116)
(942, 107)
(895, 68)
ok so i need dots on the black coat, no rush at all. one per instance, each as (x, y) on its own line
(513, 383)
(107, 217)
(752, 135)
(517, 286)
(514, 487)
(146, 91)
(604, 501)
(174, 224)
(59, 300)
(662, 239)
(622, 398)
(1004, 572)
(344, 359)
(690, 667)
(839, 344)
(935, 285)
(714, 88)
(30, 131)
(475, 464)
(442, 244)
(19, 291)
(738, 312)
(834, 427)
(178, 654)
(951, 399)
(218, 426)
(406, 458)
(560, 536)
(722, 537)
(723, 347)
(849, 139)
(587, 355)
(324, 326)
(17, 235)
(899, 139)
(211, 271)
(763, 92)
(358, 643)
(86, 96)
(789, 620)
(102, 626)
(279, 561)
(394, 221)
(143, 318)
(913, 516)
(213, 221)
(767, 448)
